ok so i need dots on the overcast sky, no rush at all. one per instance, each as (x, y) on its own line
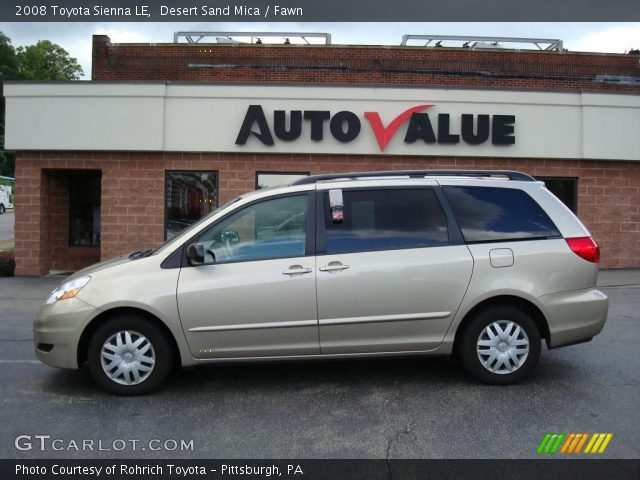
(76, 37)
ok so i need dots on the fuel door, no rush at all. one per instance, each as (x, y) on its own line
(501, 257)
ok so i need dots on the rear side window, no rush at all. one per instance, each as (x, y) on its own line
(487, 214)
(385, 220)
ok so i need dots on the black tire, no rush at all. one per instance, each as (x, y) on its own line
(161, 349)
(468, 347)
(1, 209)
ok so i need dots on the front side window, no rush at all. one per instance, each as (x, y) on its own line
(385, 220)
(271, 229)
(489, 214)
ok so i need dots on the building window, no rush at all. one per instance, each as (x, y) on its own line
(276, 179)
(189, 197)
(565, 188)
(84, 209)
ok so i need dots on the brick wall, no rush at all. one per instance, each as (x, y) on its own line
(133, 195)
(31, 218)
(374, 65)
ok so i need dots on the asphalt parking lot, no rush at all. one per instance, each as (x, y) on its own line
(7, 221)
(401, 408)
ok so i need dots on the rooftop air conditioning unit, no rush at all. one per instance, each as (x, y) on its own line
(227, 40)
(486, 45)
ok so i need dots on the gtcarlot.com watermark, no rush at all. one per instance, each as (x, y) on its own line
(47, 443)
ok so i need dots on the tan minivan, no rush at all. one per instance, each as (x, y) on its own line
(478, 264)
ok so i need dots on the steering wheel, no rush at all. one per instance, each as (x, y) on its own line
(229, 239)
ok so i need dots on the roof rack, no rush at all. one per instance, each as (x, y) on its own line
(510, 174)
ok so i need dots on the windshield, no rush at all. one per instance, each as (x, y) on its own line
(187, 231)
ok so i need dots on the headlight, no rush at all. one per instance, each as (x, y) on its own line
(68, 289)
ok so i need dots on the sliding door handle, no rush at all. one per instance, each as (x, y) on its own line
(296, 270)
(333, 267)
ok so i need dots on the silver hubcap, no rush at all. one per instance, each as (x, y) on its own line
(128, 357)
(503, 347)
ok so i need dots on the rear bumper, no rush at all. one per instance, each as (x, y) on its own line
(574, 317)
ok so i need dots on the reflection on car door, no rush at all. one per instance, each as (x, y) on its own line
(389, 279)
(258, 298)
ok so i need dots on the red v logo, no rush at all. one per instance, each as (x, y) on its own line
(384, 135)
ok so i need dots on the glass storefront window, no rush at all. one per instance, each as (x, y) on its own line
(276, 179)
(189, 197)
(565, 188)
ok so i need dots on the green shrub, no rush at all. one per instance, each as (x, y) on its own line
(7, 264)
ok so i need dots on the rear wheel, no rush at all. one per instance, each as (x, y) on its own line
(500, 345)
(129, 356)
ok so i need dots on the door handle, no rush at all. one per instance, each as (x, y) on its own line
(296, 270)
(334, 267)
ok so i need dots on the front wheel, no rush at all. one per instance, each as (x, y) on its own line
(500, 345)
(129, 356)
(2, 209)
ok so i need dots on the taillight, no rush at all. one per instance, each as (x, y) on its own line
(585, 247)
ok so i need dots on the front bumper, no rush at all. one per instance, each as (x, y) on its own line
(57, 330)
(575, 316)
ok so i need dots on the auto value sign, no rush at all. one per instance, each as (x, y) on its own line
(345, 126)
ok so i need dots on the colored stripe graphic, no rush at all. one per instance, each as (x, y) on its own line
(567, 442)
(574, 446)
(604, 445)
(550, 442)
(572, 443)
(556, 444)
(582, 441)
(598, 443)
(543, 443)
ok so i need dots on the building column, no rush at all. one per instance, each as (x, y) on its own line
(31, 216)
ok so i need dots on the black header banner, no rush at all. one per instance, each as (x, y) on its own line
(319, 11)
(584, 469)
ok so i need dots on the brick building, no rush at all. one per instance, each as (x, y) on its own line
(165, 132)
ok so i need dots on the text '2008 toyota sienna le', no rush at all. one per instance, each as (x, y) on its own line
(478, 264)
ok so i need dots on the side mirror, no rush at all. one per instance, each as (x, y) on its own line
(195, 254)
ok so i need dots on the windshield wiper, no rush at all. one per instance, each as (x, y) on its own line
(140, 254)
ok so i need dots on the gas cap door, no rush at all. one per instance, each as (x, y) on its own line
(501, 257)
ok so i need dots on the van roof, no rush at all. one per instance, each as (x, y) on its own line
(500, 174)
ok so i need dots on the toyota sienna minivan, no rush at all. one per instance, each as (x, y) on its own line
(481, 265)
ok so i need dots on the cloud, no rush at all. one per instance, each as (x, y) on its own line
(612, 39)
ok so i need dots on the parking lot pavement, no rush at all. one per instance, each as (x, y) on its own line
(400, 408)
(7, 221)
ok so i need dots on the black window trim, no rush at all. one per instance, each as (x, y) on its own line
(453, 231)
(517, 239)
(180, 253)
